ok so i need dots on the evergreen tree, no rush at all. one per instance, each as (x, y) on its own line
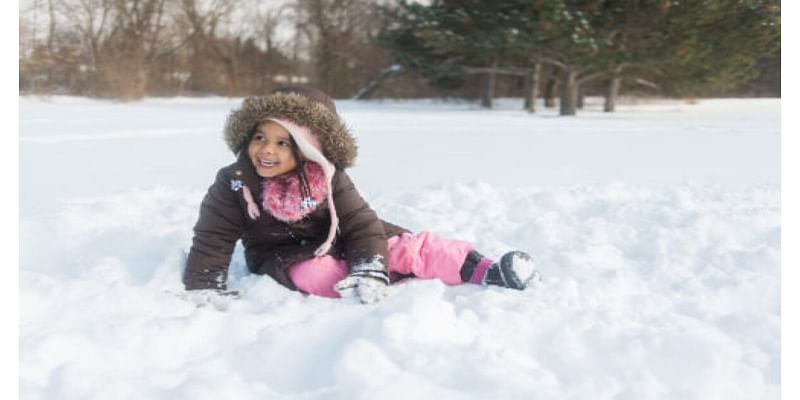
(686, 46)
(631, 38)
(449, 40)
(717, 44)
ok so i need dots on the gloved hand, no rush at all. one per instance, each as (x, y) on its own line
(367, 290)
(368, 282)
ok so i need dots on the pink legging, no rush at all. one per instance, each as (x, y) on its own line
(423, 254)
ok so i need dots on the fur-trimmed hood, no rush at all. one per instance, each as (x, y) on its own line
(338, 144)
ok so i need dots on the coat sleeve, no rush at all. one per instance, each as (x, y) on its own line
(361, 232)
(218, 227)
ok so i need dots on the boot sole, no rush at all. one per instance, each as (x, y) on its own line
(508, 274)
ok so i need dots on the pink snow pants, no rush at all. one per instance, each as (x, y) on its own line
(423, 254)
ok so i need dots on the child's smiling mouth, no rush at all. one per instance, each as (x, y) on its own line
(267, 163)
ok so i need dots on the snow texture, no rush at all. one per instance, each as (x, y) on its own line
(656, 229)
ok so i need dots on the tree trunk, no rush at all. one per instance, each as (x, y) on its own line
(612, 91)
(569, 92)
(581, 97)
(532, 87)
(323, 48)
(232, 81)
(488, 94)
(51, 35)
(550, 93)
(51, 32)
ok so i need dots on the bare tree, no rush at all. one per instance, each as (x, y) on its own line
(124, 58)
(202, 23)
(274, 67)
(127, 49)
(90, 19)
(338, 34)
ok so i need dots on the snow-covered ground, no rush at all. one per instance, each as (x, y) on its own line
(657, 230)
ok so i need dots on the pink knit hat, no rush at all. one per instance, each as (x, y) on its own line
(310, 148)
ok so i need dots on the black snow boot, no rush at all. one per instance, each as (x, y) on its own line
(515, 270)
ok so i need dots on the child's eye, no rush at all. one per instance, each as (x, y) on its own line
(284, 143)
(259, 137)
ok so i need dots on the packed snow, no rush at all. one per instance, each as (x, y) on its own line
(656, 230)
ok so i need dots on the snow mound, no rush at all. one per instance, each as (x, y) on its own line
(656, 230)
(648, 292)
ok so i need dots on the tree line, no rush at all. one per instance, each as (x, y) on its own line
(556, 49)
(128, 49)
(677, 47)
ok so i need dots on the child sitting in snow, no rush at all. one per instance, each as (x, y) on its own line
(302, 221)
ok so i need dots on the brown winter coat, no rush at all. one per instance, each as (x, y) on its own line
(271, 246)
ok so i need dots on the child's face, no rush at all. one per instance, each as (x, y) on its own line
(270, 150)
